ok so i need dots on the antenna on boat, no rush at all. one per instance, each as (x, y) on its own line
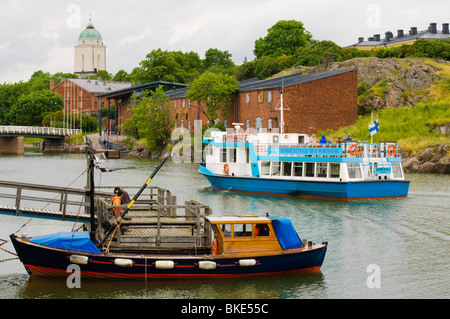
(282, 107)
(121, 215)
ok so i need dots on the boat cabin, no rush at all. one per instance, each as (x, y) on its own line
(247, 234)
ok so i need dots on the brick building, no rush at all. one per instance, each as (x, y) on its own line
(311, 102)
(80, 95)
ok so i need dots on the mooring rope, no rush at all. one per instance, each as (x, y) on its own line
(2, 242)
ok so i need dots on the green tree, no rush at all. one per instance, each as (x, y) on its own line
(171, 66)
(56, 119)
(121, 76)
(213, 93)
(104, 75)
(31, 108)
(150, 119)
(218, 61)
(318, 52)
(284, 37)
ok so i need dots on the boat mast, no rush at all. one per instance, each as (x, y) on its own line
(91, 194)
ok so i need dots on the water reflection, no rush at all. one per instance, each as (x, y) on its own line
(281, 286)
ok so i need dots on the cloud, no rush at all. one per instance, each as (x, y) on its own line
(135, 39)
(41, 37)
(186, 29)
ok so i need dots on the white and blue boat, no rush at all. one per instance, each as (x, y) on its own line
(290, 164)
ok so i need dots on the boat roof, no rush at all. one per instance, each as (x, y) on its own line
(237, 219)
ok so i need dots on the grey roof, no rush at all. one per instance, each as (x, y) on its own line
(279, 82)
(139, 88)
(98, 85)
(431, 34)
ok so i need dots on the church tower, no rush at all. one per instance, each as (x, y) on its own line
(90, 53)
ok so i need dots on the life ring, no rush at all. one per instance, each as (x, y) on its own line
(391, 150)
(354, 149)
(226, 168)
(214, 247)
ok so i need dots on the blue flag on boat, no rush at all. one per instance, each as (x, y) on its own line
(373, 127)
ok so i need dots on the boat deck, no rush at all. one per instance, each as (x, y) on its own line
(162, 228)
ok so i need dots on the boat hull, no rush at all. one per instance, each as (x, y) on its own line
(346, 191)
(41, 260)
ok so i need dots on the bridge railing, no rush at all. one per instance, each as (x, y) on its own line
(37, 130)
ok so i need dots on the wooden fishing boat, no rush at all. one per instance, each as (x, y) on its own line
(154, 240)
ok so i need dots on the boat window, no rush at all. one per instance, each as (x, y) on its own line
(275, 169)
(298, 168)
(232, 155)
(335, 170)
(242, 230)
(354, 170)
(209, 150)
(226, 230)
(247, 155)
(287, 168)
(301, 139)
(396, 170)
(322, 169)
(262, 230)
(310, 169)
(265, 168)
(223, 154)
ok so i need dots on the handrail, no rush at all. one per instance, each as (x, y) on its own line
(37, 130)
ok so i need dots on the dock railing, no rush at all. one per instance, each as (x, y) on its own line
(150, 225)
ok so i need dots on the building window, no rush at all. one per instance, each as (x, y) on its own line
(261, 97)
(258, 124)
(248, 98)
(270, 125)
(183, 105)
(269, 96)
(175, 104)
(248, 125)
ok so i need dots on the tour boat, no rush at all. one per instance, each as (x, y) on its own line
(156, 240)
(292, 164)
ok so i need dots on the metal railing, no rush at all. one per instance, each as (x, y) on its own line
(37, 130)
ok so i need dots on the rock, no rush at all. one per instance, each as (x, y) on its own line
(443, 165)
(426, 154)
(427, 167)
(411, 165)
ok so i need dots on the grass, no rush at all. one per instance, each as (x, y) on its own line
(411, 127)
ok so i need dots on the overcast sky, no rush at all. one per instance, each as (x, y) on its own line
(41, 35)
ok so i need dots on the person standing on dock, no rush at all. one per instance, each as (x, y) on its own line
(125, 196)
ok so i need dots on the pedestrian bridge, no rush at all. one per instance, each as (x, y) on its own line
(11, 137)
(36, 131)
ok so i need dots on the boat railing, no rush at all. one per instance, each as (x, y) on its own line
(342, 150)
(149, 226)
(235, 138)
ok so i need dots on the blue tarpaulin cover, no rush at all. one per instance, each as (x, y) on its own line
(286, 234)
(77, 241)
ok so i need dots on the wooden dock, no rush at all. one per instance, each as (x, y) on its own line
(63, 203)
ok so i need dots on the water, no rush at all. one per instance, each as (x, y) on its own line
(406, 241)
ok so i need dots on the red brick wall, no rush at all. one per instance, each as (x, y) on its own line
(78, 98)
(316, 105)
(329, 102)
